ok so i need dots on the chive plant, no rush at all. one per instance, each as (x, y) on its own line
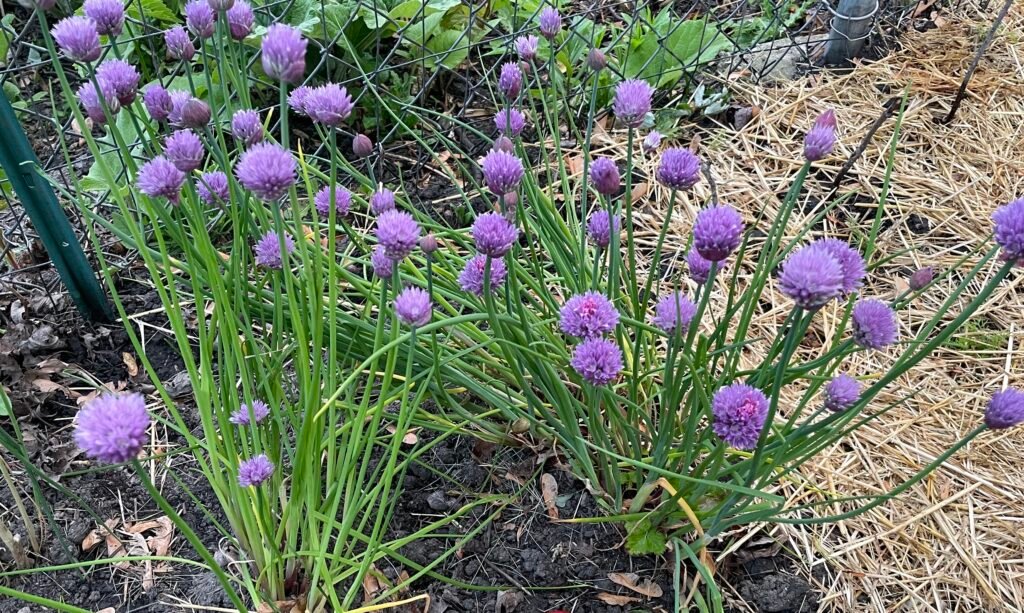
(317, 313)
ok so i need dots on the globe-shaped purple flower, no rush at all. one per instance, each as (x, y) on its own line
(381, 200)
(266, 170)
(179, 44)
(510, 80)
(246, 414)
(1005, 409)
(268, 250)
(159, 178)
(811, 277)
(875, 325)
(674, 312)
(502, 171)
(184, 149)
(632, 102)
(526, 47)
(841, 393)
(850, 261)
(240, 20)
(199, 18)
(382, 265)
(342, 201)
(247, 127)
(297, 99)
(679, 168)
(471, 279)
(108, 15)
(739, 412)
(652, 141)
(821, 139)
(509, 122)
(93, 101)
(284, 53)
(601, 226)
(158, 102)
(494, 235)
(112, 428)
(700, 268)
(398, 233)
(588, 315)
(550, 23)
(717, 232)
(213, 188)
(255, 471)
(413, 307)
(597, 360)
(604, 174)
(328, 104)
(1009, 231)
(78, 38)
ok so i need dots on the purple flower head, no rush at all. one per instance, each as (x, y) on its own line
(550, 22)
(246, 127)
(679, 168)
(382, 200)
(1004, 410)
(108, 15)
(739, 413)
(297, 99)
(284, 53)
(632, 102)
(92, 101)
(811, 277)
(597, 360)
(328, 104)
(1009, 231)
(526, 47)
(821, 139)
(184, 149)
(243, 416)
(213, 188)
(78, 38)
(471, 279)
(398, 233)
(342, 201)
(362, 146)
(652, 141)
(841, 393)
(921, 278)
(850, 261)
(179, 45)
(874, 324)
(588, 315)
(700, 268)
(503, 143)
(267, 170)
(510, 80)
(199, 18)
(717, 232)
(493, 234)
(604, 174)
(240, 20)
(158, 102)
(255, 471)
(601, 226)
(502, 172)
(596, 60)
(383, 266)
(195, 114)
(268, 250)
(413, 307)
(509, 122)
(178, 100)
(159, 178)
(112, 428)
(674, 312)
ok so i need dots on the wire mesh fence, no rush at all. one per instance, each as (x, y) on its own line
(410, 62)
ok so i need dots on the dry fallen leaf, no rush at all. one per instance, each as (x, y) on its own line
(616, 600)
(549, 490)
(130, 364)
(632, 581)
(639, 191)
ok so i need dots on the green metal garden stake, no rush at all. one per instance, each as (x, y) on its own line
(36, 195)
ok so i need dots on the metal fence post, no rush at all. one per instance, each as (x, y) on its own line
(850, 25)
(22, 167)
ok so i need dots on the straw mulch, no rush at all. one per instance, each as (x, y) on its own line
(954, 541)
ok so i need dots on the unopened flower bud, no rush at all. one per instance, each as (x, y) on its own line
(428, 244)
(520, 425)
(510, 199)
(504, 143)
(596, 60)
(195, 114)
(362, 145)
(921, 278)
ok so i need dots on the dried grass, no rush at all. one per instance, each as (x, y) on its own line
(954, 542)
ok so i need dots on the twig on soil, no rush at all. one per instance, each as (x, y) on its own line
(977, 59)
(888, 110)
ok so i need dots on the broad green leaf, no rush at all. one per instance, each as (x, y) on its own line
(7, 35)
(645, 539)
(451, 47)
(153, 10)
